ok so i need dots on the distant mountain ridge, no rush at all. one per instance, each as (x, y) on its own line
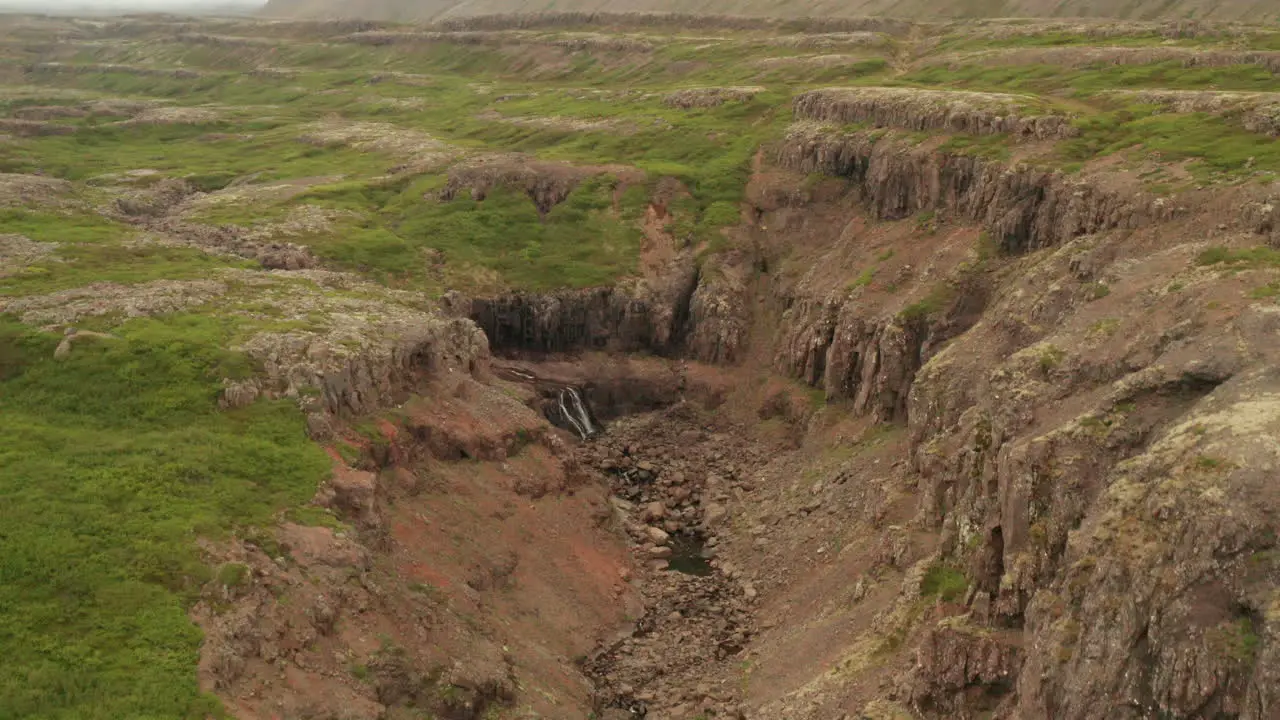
(1254, 11)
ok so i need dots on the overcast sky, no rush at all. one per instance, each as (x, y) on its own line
(113, 6)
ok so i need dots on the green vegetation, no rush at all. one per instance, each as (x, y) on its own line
(994, 147)
(1093, 79)
(1220, 150)
(931, 304)
(1105, 326)
(1237, 640)
(116, 459)
(944, 582)
(349, 453)
(1265, 292)
(60, 227)
(81, 264)
(1097, 290)
(1208, 463)
(1049, 358)
(864, 279)
(1248, 258)
(314, 517)
(233, 575)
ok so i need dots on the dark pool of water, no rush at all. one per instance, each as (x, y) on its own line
(687, 556)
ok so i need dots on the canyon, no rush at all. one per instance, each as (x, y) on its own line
(561, 368)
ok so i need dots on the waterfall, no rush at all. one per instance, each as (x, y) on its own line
(575, 412)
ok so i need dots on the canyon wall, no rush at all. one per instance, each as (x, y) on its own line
(1087, 403)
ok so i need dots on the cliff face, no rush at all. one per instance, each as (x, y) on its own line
(630, 317)
(1087, 402)
(1023, 207)
(947, 111)
(1077, 376)
(1089, 466)
(688, 309)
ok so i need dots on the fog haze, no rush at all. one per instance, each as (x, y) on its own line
(113, 7)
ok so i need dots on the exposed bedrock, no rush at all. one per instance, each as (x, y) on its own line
(1023, 207)
(1098, 481)
(687, 311)
(547, 184)
(976, 113)
(621, 318)
(853, 351)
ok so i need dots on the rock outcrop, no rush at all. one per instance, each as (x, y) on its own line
(1023, 207)
(620, 318)
(709, 96)
(1257, 111)
(374, 357)
(1077, 57)
(915, 109)
(546, 183)
(963, 670)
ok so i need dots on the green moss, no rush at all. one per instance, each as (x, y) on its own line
(1219, 150)
(864, 279)
(116, 459)
(315, 517)
(938, 298)
(48, 226)
(1265, 292)
(944, 582)
(994, 147)
(233, 574)
(1049, 358)
(1255, 257)
(1237, 640)
(349, 453)
(77, 265)
(1208, 463)
(1105, 326)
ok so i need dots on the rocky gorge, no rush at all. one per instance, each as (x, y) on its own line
(1050, 443)
(1041, 443)
(352, 370)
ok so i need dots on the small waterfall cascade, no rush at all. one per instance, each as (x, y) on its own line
(574, 412)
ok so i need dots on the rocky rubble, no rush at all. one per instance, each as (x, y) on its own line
(174, 116)
(33, 128)
(97, 299)
(261, 244)
(417, 149)
(141, 70)
(18, 252)
(17, 190)
(673, 480)
(709, 96)
(945, 110)
(863, 39)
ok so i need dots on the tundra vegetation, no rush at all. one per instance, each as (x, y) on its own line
(428, 159)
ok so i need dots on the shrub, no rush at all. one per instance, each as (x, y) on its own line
(945, 582)
(1050, 358)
